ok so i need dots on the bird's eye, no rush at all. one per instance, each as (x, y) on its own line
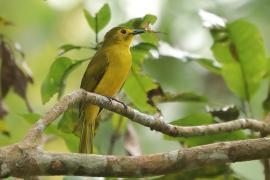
(123, 31)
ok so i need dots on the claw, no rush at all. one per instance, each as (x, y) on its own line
(111, 98)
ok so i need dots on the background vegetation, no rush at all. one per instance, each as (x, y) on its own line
(200, 75)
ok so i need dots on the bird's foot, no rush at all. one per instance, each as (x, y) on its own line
(111, 98)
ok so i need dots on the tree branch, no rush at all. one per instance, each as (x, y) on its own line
(22, 162)
(27, 159)
(154, 122)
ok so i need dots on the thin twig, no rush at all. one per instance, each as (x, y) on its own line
(115, 136)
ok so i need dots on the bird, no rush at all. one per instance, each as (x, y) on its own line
(105, 75)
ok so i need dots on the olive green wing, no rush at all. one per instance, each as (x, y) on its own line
(95, 71)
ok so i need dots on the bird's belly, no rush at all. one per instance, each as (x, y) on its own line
(113, 78)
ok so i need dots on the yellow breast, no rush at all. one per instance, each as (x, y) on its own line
(120, 61)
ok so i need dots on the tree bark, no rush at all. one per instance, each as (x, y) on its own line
(27, 159)
(23, 161)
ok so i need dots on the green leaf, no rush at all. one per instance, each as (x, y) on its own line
(51, 84)
(148, 19)
(203, 119)
(144, 47)
(209, 64)
(100, 20)
(140, 22)
(31, 117)
(67, 72)
(132, 23)
(150, 37)
(242, 57)
(139, 53)
(69, 120)
(158, 95)
(185, 97)
(226, 113)
(55, 80)
(90, 19)
(67, 47)
(136, 88)
(194, 120)
(144, 23)
(103, 17)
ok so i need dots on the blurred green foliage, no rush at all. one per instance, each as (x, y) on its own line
(201, 67)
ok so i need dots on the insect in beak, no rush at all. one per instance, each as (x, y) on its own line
(137, 31)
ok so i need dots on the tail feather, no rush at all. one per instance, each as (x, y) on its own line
(86, 141)
(89, 115)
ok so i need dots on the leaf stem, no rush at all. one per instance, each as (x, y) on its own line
(96, 19)
(246, 108)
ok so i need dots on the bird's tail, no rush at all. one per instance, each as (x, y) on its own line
(89, 115)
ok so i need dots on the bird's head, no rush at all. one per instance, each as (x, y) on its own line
(121, 35)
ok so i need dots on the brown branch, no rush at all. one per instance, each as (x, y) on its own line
(26, 159)
(154, 122)
(23, 162)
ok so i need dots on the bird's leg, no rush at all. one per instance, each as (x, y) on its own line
(109, 99)
(112, 98)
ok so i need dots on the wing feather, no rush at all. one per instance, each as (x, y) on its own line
(95, 71)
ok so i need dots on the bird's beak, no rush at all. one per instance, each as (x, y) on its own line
(137, 31)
